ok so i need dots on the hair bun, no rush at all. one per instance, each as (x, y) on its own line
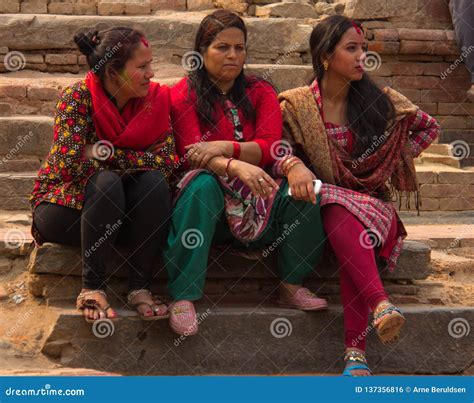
(87, 41)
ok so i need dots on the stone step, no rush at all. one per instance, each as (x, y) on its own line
(439, 149)
(16, 188)
(19, 165)
(171, 36)
(25, 137)
(462, 142)
(56, 269)
(440, 159)
(241, 339)
(33, 93)
(102, 7)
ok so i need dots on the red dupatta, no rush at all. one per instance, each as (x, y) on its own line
(143, 121)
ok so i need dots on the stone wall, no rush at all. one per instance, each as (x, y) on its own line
(262, 8)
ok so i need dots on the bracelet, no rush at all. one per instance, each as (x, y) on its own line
(288, 159)
(236, 153)
(290, 163)
(227, 166)
(287, 171)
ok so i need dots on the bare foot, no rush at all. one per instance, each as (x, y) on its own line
(95, 314)
(147, 299)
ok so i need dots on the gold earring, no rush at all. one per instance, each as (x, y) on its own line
(325, 65)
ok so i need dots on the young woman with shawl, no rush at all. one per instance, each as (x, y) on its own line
(360, 141)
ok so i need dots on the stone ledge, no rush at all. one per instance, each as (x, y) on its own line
(173, 35)
(414, 263)
(238, 340)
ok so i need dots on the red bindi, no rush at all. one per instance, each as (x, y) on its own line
(145, 42)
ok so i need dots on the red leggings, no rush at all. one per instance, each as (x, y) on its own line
(361, 287)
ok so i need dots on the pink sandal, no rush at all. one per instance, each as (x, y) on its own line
(183, 319)
(304, 300)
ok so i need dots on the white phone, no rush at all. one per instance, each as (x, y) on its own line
(317, 187)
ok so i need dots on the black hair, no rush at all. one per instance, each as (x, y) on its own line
(108, 49)
(369, 109)
(207, 93)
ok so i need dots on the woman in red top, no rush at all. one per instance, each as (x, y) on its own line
(228, 129)
(104, 181)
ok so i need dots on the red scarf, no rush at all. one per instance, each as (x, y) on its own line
(143, 121)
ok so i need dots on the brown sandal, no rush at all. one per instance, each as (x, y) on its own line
(388, 321)
(83, 302)
(158, 307)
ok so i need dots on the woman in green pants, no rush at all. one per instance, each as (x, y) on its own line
(228, 129)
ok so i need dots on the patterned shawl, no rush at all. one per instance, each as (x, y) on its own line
(392, 162)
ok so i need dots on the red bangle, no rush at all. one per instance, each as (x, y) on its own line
(236, 153)
(227, 166)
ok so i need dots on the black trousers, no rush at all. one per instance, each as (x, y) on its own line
(131, 210)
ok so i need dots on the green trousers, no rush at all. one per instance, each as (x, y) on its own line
(294, 231)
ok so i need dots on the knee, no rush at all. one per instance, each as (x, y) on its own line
(308, 211)
(333, 216)
(206, 184)
(206, 191)
(153, 185)
(154, 182)
(105, 183)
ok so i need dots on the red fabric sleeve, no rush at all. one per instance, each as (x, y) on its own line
(184, 119)
(269, 122)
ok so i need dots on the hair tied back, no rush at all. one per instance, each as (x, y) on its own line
(87, 41)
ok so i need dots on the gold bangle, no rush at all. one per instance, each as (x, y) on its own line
(288, 169)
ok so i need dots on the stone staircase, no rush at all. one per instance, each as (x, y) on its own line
(282, 341)
(254, 337)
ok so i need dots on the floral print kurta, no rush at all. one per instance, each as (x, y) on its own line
(64, 173)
